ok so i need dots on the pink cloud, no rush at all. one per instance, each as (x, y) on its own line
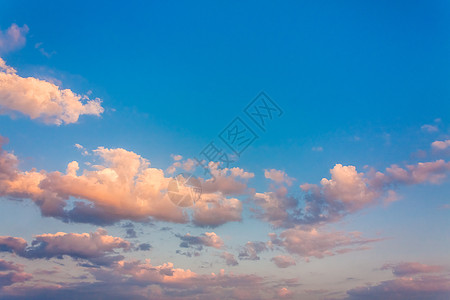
(42, 100)
(208, 239)
(95, 247)
(283, 261)
(440, 145)
(229, 258)
(278, 176)
(412, 268)
(13, 38)
(124, 186)
(315, 242)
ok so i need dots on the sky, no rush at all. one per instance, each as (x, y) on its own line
(319, 134)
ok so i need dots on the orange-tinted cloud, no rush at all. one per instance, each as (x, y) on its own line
(42, 100)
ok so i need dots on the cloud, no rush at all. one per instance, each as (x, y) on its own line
(429, 128)
(42, 100)
(207, 239)
(283, 261)
(123, 187)
(227, 181)
(215, 209)
(11, 273)
(317, 149)
(41, 49)
(131, 233)
(143, 280)
(9, 266)
(432, 172)
(347, 191)
(284, 293)
(229, 258)
(96, 247)
(312, 242)
(13, 38)
(412, 268)
(277, 208)
(440, 145)
(426, 287)
(251, 250)
(278, 176)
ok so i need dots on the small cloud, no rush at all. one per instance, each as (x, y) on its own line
(39, 47)
(429, 128)
(317, 149)
(230, 259)
(278, 176)
(13, 38)
(144, 247)
(131, 233)
(440, 145)
(83, 150)
(283, 261)
(176, 157)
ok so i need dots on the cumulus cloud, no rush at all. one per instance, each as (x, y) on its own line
(347, 191)
(432, 172)
(123, 187)
(251, 250)
(283, 261)
(318, 243)
(412, 268)
(228, 181)
(215, 209)
(277, 208)
(278, 176)
(13, 38)
(207, 239)
(42, 100)
(440, 145)
(97, 247)
(229, 258)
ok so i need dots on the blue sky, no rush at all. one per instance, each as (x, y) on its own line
(363, 88)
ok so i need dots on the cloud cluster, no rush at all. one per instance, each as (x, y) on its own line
(251, 250)
(96, 247)
(13, 38)
(207, 239)
(142, 280)
(347, 191)
(42, 100)
(123, 187)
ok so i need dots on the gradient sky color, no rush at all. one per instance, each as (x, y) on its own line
(344, 196)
